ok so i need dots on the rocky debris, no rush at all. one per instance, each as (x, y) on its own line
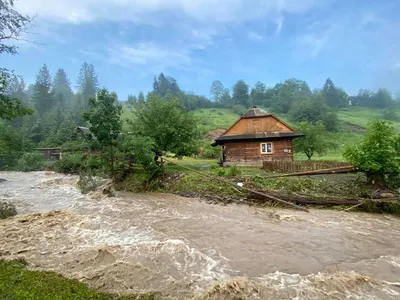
(2, 180)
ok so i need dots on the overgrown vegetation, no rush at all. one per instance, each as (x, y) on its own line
(31, 162)
(317, 139)
(378, 155)
(16, 282)
(7, 210)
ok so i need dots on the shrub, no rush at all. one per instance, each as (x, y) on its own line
(390, 114)
(69, 163)
(33, 161)
(210, 151)
(234, 171)
(378, 154)
(7, 210)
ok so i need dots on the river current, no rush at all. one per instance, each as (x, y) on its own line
(185, 248)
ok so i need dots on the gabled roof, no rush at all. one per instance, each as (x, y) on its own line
(256, 136)
(254, 111)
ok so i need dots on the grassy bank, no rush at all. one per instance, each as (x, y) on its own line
(335, 187)
(18, 283)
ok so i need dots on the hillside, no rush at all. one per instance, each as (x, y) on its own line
(353, 121)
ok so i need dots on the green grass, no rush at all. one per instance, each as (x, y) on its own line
(18, 283)
(362, 115)
(216, 118)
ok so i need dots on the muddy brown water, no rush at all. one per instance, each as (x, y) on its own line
(185, 248)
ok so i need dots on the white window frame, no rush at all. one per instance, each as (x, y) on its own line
(266, 148)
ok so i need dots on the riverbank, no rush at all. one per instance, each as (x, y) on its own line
(324, 191)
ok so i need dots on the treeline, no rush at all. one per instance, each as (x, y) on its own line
(57, 108)
(279, 99)
(167, 88)
(56, 111)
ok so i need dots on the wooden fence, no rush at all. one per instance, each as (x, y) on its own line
(299, 166)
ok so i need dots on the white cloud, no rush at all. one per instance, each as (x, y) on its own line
(149, 57)
(216, 11)
(254, 36)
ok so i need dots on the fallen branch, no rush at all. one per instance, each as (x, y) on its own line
(326, 201)
(291, 204)
(340, 170)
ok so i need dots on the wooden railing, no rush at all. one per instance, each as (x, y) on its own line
(299, 166)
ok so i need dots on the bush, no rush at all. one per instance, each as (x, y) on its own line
(390, 114)
(210, 151)
(7, 210)
(69, 163)
(33, 161)
(234, 171)
(378, 154)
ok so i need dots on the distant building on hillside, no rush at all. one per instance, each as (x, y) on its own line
(257, 136)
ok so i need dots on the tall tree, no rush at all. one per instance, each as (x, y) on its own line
(257, 93)
(173, 86)
(132, 99)
(241, 94)
(43, 97)
(226, 97)
(156, 85)
(314, 110)
(382, 99)
(168, 124)
(104, 116)
(217, 91)
(163, 85)
(12, 25)
(87, 84)
(62, 87)
(10, 107)
(289, 92)
(17, 88)
(141, 99)
(333, 96)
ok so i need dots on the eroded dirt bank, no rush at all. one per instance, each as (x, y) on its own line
(185, 248)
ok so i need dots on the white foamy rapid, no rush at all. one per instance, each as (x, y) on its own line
(188, 249)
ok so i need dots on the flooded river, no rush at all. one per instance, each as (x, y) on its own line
(185, 248)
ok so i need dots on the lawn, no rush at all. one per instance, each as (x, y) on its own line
(362, 115)
(216, 118)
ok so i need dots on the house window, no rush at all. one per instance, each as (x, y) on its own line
(266, 148)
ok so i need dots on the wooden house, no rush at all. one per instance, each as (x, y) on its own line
(256, 137)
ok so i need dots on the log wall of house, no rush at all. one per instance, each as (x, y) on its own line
(249, 153)
(257, 125)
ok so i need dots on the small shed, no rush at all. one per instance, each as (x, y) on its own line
(51, 153)
(256, 137)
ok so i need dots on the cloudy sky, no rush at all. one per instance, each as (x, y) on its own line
(355, 42)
